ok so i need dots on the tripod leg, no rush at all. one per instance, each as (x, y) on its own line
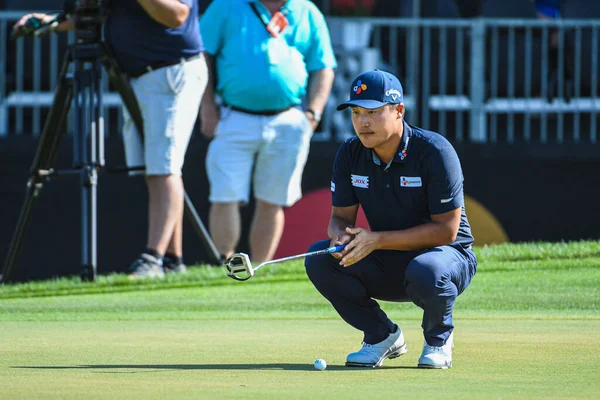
(88, 141)
(121, 84)
(89, 223)
(50, 139)
(44, 159)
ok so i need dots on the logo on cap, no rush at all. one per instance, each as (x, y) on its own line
(359, 87)
(394, 93)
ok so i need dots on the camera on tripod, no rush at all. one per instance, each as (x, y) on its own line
(89, 16)
(79, 88)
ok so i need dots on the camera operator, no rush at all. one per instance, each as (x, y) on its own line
(158, 44)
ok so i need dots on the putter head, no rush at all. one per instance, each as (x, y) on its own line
(239, 267)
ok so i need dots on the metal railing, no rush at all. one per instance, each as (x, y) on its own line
(29, 70)
(487, 80)
(478, 80)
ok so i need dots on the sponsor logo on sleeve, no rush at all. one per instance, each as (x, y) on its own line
(332, 186)
(360, 181)
(411, 181)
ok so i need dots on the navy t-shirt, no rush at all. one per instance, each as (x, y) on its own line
(424, 178)
(138, 40)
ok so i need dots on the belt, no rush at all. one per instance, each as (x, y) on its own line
(266, 113)
(163, 64)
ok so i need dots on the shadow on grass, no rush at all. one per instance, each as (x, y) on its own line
(183, 367)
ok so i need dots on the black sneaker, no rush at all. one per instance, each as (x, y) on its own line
(146, 266)
(171, 267)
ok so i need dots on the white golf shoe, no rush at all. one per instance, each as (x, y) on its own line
(437, 356)
(373, 355)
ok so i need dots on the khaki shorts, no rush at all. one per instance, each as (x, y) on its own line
(268, 151)
(169, 100)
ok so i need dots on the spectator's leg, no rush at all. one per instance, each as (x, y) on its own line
(169, 99)
(229, 164)
(225, 225)
(277, 178)
(175, 247)
(266, 230)
(165, 210)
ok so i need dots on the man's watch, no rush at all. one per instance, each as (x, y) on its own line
(316, 116)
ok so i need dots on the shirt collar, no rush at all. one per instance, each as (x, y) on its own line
(258, 1)
(403, 147)
(285, 6)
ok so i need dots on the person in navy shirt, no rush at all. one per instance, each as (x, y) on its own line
(158, 44)
(409, 183)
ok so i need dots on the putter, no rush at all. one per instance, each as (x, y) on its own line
(240, 268)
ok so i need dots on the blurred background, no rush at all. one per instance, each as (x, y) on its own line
(513, 84)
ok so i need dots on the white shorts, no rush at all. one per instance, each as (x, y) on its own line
(275, 146)
(169, 99)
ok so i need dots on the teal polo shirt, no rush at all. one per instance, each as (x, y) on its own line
(256, 71)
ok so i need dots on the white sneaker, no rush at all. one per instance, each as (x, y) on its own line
(146, 266)
(372, 355)
(437, 356)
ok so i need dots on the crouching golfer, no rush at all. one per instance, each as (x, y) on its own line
(410, 185)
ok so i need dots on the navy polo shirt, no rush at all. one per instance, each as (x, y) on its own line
(423, 178)
(138, 40)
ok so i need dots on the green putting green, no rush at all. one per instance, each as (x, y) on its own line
(526, 328)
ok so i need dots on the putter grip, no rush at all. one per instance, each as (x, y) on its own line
(336, 248)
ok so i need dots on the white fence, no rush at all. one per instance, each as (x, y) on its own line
(478, 80)
(29, 70)
(486, 80)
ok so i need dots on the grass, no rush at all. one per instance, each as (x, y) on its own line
(526, 328)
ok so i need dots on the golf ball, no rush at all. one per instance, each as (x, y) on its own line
(320, 364)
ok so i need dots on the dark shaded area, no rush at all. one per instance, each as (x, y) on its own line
(184, 367)
(537, 192)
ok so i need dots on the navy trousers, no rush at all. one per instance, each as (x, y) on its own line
(431, 279)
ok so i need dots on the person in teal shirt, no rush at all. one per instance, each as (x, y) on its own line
(271, 63)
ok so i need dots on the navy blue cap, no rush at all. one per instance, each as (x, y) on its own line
(374, 89)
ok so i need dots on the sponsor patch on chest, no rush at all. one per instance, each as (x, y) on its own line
(360, 181)
(411, 181)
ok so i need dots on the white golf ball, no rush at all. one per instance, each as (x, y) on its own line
(320, 364)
